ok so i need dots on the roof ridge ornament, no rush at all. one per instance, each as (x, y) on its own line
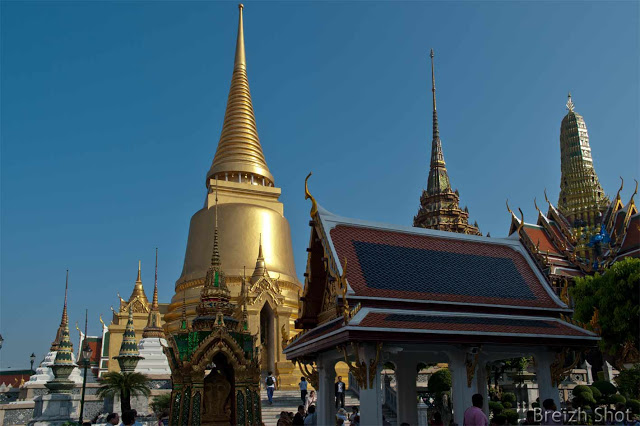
(307, 195)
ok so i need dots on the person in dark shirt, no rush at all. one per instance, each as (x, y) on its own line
(298, 419)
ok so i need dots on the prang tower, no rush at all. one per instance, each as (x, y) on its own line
(251, 221)
(582, 199)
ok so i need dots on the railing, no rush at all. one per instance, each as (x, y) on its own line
(390, 397)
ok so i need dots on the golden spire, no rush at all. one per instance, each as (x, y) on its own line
(154, 304)
(153, 328)
(64, 322)
(138, 289)
(239, 156)
(261, 266)
(438, 181)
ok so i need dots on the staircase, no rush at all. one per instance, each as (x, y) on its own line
(288, 400)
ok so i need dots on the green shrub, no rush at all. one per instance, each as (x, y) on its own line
(583, 397)
(617, 399)
(633, 405)
(509, 397)
(507, 405)
(600, 375)
(596, 393)
(512, 416)
(440, 381)
(606, 388)
(500, 419)
(535, 405)
(581, 388)
(495, 407)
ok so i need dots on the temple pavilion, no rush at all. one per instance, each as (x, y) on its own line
(378, 293)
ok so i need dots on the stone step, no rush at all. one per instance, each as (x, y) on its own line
(288, 400)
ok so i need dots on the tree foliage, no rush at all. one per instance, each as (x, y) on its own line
(628, 382)
(616, 295)
(124, 384)
(161, 403)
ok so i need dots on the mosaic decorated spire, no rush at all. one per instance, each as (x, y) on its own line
(154, 327)
(215, 298)
(582, 199)
(438, 181)
(63, 321)
(129, 356)
(439, 205)
(239, 156)
(63, 363)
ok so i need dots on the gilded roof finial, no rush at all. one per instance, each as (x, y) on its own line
(535, 204)
(508, 209)
(635, 191)
(570, 105)
(307, 195)
(138, 289)
(240, 60)
(139, 278)
(621, 186)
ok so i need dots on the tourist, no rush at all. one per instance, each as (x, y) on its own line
(548, 415)
(285, 419)
(303, 389)
(354, 417)
(311, 418)
(437, 419)
(339, 391)
(113, 419)
(270, 381)
(298, 419)
(310, 400)
(474, 416)
(341, 415)
(531, 418)
(128, 418)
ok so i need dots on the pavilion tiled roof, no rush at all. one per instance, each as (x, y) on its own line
(429, 266)
(475, 324)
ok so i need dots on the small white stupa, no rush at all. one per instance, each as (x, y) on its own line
(155, 362)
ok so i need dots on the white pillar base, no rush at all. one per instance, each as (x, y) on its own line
(461, 393)
(407, 391)
(543, 375)
(326, 405)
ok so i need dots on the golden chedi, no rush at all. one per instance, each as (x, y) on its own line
(251, 220)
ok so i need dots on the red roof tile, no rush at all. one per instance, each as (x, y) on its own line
(539, 235)
(632, 239)
(395, 264)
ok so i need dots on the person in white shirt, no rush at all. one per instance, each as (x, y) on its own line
(270, 381)
(339, 390)
(303, 389)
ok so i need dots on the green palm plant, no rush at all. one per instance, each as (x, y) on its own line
(125, 384)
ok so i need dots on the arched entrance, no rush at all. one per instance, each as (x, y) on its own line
(219, 390)
(267, 339)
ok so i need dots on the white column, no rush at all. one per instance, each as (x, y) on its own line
(371, 398)
(326, 405)
(543, 375)
(407, 391)
(461, 393)
(481, 384)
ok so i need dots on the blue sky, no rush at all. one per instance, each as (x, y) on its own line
(111, 112)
